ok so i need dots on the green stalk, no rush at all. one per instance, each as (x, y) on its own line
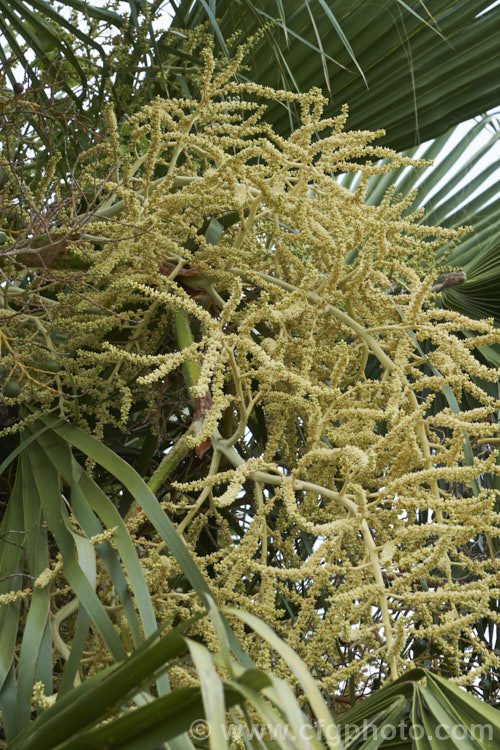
(184, 336)
(191, 371)
(168, 464)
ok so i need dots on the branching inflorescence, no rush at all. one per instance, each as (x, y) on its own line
(344, 498)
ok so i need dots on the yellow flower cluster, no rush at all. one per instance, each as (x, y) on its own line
(344, 486)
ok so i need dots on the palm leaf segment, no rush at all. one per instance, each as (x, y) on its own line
(414, 69)
(446, 197)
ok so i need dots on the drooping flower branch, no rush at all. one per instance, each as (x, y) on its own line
(335, 403)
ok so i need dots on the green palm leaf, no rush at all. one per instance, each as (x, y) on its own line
(445, 197)
(75, 720)
(380, 58)
(45, 460)
(430, 713)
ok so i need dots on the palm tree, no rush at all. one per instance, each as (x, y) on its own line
(381, 59)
